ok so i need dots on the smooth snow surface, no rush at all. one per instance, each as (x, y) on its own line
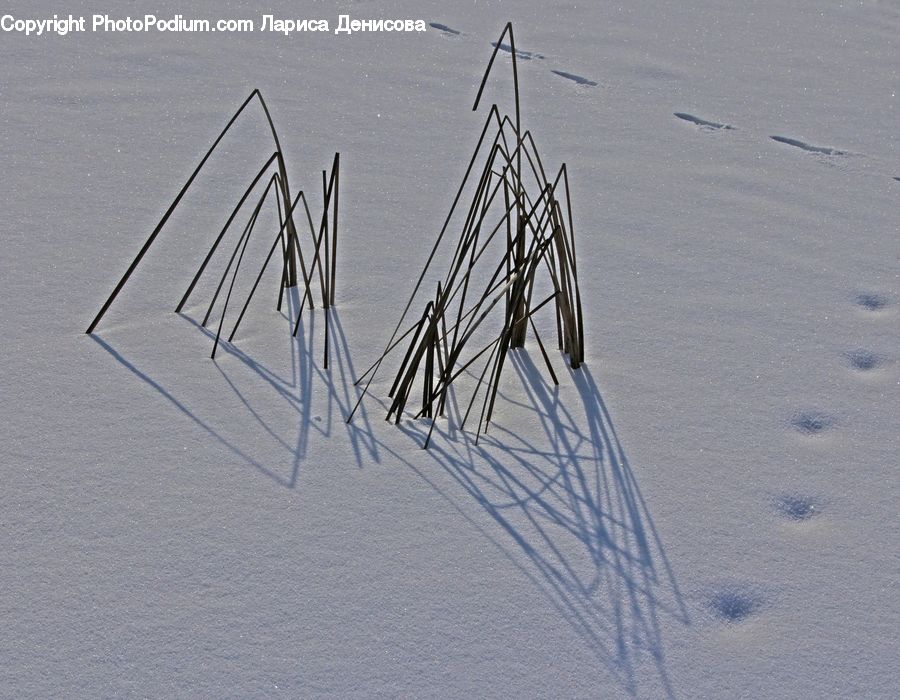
(707, 509)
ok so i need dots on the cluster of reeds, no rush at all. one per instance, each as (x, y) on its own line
(319, 264)
(517, 231)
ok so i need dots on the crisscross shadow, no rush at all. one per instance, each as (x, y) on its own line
(570, 503)
(561, 500)
(332, 388)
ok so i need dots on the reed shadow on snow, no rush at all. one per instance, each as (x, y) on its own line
(562, 502)
(581, 531)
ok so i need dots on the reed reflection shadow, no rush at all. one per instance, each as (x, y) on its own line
(306, 382)
(567, 498)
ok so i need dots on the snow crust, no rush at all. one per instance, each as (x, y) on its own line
(706, 509)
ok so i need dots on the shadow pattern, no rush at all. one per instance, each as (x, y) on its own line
(562, 502)
(574, 520)
(308, 379)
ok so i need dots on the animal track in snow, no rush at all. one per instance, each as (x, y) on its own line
(444, 28)
(524, 55)
(735, 603)
(864, 360)
(576, 78)
(797, 507)
(871, 302)
(702, 123)
(821, 150)
(812, 423)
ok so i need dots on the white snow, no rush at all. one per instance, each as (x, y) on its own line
(177, 526)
